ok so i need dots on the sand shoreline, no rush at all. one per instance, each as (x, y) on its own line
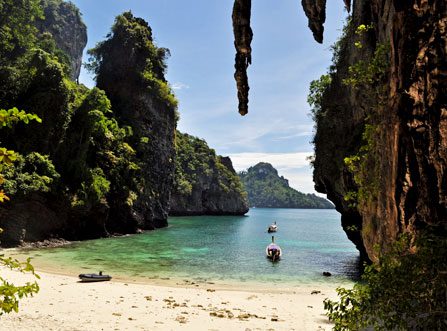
(63, 303)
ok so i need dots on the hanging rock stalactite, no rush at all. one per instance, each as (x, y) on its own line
(242, 40)
(316, 12)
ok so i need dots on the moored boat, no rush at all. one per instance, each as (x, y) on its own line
(94, 277)
(273, 251)
(272, 227)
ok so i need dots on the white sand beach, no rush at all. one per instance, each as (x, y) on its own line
(64, 303)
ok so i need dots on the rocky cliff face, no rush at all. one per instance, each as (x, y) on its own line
(63, 21)
(407, 157)
(131, 70)
(205, 183)
(399, 132)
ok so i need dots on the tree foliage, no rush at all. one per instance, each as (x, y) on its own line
(17, 29)
(131, 39)
(196, 163)
(10, 294)
(405, 290)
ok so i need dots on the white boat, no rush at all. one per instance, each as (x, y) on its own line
(272, 228)
(273, 251)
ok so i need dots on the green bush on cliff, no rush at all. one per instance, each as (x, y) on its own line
(147, 69)
(95, 155)
(405, 290)
(370, 74)
(196, 162)
(31, 173)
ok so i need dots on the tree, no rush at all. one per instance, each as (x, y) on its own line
(9, 293)
(17, 30)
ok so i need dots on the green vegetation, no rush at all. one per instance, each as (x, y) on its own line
(150, 67)
(370, 74)
(10, 294)
(196, 163)
(316, 93)
(80, 154)
(266, 189)
(405, 290)
(361, 165)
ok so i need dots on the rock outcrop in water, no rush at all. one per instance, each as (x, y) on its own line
(102, 160)
(205, 183)
(266, 189)
(399, 119)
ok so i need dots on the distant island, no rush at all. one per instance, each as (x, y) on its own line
(266, 189)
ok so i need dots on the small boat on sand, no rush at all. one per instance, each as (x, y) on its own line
(272, 228)
(94, 277)
(273, 251)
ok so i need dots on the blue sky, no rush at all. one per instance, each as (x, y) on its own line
(199, 35)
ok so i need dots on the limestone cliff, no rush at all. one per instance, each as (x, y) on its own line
(92, 168)
(63, 21)
(407, 157)
(205, 183)
(131, 70)
(395, 124)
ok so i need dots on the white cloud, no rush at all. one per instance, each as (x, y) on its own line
(179, 86)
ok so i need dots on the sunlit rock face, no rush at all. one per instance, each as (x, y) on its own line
(63, 21)
(410, 153)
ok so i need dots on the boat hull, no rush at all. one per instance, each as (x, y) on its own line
(90, 278)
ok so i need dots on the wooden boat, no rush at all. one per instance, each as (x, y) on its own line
(272, 228)
(273, 251)
(94, 277)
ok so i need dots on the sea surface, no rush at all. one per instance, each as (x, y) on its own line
(220, 250)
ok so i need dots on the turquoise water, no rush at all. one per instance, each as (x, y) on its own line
(225, 249)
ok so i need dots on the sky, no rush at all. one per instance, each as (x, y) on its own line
(285, 59)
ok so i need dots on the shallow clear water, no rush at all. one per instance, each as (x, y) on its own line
(226, 249)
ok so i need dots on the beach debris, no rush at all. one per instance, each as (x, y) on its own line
(131, 319)
(222, 313)
(274, 319)
(210, 290)
(116, 314)
(327, 273)
(315, 292)
(148, 298)
(181, 319)
(246, 316)
(310, 306)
